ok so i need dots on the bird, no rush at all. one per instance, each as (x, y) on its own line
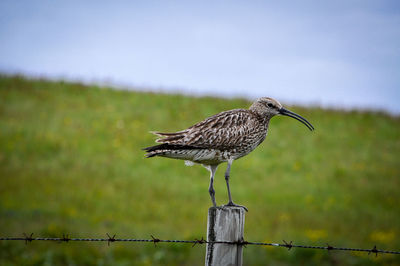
(223, 137)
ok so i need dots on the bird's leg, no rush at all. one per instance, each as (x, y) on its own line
(211, 190)
(227, 175)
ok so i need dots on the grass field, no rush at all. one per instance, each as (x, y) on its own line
(70, 162)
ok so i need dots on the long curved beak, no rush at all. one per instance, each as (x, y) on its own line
(286, 112)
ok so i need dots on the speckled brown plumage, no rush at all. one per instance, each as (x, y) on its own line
(230, 134)
(223, 137)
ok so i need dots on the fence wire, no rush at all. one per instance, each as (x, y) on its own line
(111, 239)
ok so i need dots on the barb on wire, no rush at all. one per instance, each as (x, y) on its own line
(374, 250)
(155, 240)
(201, 241)
(28, 238)
(242, 242)
(289, 245)
(65, 238)
(110, 239)
(328, 247)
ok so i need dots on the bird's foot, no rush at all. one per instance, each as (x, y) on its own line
(231, 204)
(214, 202)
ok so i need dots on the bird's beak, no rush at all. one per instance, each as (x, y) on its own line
(286, 112)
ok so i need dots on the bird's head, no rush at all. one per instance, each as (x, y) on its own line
(268, 107)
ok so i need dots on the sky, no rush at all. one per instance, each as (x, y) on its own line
(341, 54)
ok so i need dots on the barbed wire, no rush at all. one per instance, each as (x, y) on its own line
(110, 239)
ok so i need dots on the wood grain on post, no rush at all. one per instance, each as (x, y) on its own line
(225, 224)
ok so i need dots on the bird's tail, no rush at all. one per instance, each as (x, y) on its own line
(168, 150)
(155, 150)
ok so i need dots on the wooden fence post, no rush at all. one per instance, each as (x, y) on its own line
(225, 224)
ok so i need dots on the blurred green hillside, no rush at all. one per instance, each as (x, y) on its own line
(71, 163)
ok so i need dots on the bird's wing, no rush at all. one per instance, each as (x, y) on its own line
(223, 130)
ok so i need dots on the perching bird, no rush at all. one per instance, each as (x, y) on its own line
(223, 137)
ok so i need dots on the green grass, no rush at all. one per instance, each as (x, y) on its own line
(70, 162)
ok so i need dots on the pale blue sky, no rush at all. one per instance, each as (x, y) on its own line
(337, 53)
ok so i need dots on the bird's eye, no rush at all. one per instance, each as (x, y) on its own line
(270, 105)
